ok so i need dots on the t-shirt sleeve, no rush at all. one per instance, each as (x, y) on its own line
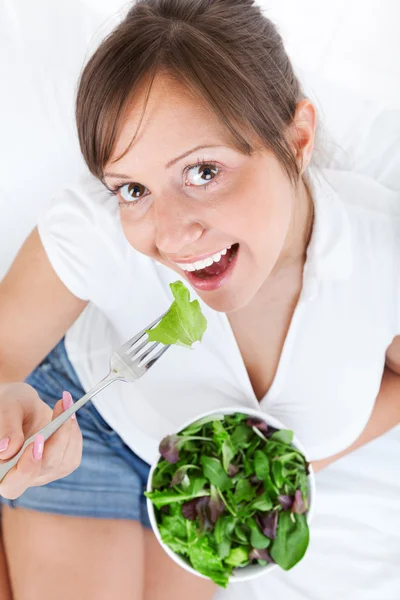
(83, 239)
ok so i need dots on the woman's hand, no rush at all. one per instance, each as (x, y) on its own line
(22, 413)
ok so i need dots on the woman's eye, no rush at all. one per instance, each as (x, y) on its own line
(131, 192)
(201, 174)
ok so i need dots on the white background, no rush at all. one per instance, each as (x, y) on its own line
(355, 548)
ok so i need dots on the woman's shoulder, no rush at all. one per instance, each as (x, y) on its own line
(86, 198)
(360, 219)
(82, 235)
(364, 196)
(370, 210)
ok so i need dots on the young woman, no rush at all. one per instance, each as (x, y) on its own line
(199, 140)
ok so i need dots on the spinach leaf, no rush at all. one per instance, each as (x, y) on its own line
(283, 435)
(198, 425)
(241, 436)
(223, 530)
(162, 498)
(255, 443)
(291, 540)
(244, 491)
(257, 539)
(242, 533)
(270, 487)
(261, 465)
(248, 465)
(263, 503)
(163, 474)
(214, 472)
(225, 445)
(277, 473)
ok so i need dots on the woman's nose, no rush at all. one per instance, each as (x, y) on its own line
(176, 229)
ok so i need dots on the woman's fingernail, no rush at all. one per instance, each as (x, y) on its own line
(68, 402)
(38, 446)
(4, 444)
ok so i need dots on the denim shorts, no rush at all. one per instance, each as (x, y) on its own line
(111, 479)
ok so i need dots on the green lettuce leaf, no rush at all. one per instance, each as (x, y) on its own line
(183, 324)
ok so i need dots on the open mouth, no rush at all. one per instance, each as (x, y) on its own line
(214, 275)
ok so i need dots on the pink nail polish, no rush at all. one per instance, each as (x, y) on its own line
(4, 444)
(38, 446)
(68, 402)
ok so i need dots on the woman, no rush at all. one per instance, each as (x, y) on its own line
(200, 141)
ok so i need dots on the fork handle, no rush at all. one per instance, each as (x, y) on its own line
(54, 425)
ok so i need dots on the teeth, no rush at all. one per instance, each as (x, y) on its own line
(201, 264)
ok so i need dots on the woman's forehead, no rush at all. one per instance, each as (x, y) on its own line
(174, 119)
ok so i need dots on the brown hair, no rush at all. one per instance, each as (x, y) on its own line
(225, 51)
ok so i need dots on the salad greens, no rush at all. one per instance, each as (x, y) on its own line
(183, 324)
(230, 491)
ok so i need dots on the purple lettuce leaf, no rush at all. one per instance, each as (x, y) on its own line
(203, 513)
(261, 425)
(233, 470)
(216, 506)
(189, 509)
(169, 448)
(268, 523)
(260, 489)
(299, 506)
(286, 501)
(198, 508)
(255, 554)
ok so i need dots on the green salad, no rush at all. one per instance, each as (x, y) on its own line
(184, 324)
(230, 491)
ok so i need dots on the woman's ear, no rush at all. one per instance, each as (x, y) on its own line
(303, 133)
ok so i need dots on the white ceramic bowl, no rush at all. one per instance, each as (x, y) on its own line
(251, 571)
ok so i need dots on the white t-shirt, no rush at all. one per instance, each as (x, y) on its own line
(333, 358)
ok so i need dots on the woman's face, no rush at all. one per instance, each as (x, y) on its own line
(187, 195)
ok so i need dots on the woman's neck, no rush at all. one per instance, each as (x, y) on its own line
(286, 278)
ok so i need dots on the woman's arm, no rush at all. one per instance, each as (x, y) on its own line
(386, 412)
(36, 309)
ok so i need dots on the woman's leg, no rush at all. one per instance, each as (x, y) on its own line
(5, 589)
(61, 557)
(164, 579)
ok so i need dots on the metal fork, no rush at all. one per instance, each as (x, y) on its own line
(130, 362)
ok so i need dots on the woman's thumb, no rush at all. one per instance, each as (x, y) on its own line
(62, 405)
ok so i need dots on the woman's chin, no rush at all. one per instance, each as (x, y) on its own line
(227, 299)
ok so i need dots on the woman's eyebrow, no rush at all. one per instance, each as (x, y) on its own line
(175, 160)
(169, 163)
